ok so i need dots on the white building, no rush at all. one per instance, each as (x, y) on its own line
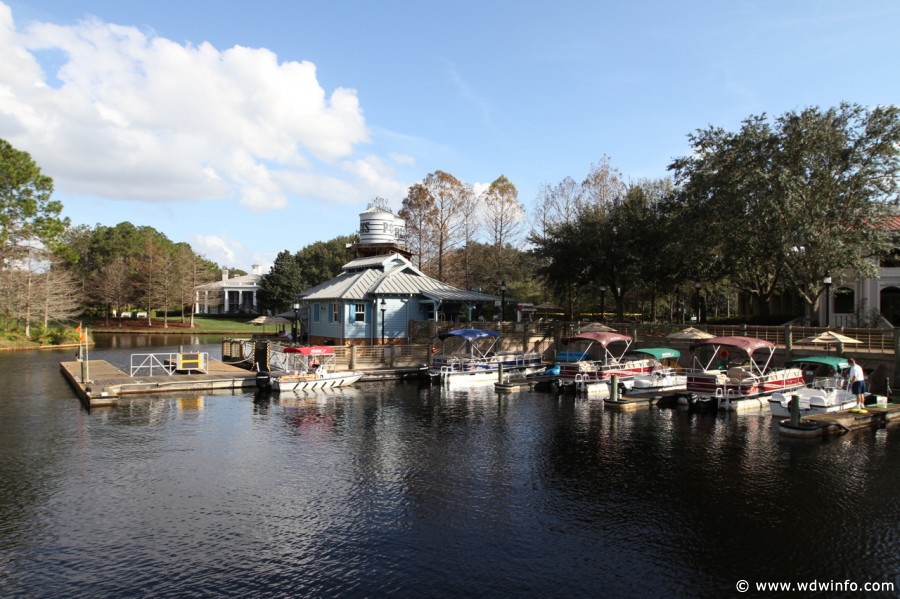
(229, 295)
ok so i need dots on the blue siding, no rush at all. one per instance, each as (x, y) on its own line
(397, 315)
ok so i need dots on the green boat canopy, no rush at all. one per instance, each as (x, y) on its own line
(660, 353)
(835, 362)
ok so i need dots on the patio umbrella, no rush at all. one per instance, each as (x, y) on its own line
(829, 337)
(690, 334)
(264, 320)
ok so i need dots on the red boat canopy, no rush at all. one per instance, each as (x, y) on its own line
(746, 344)
(602, 339)
(315, 350)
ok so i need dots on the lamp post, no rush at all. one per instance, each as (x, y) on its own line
(697, 293)
(383, 310)
(502, 300)
(602, 303)
(296, 322)
(827, 282)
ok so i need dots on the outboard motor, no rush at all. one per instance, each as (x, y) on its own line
(263, 380)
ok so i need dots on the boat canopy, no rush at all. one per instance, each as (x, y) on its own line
(313, 350)
(600, 338)
(835, 362)
(470, 335)
(746, 344)
(660, 353)
(721, 350)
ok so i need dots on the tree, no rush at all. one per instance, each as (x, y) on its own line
(448, 194)
(112, 286)
(421, 216)
(323, 260)
(61, 291)
(27, 214)
(504, 219)
(280, 287)
(781, 203)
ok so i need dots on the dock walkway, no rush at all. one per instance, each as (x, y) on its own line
(837, 423)
(107, 383)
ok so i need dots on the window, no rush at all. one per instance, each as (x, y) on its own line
(360, 312)
(335, 312)
(316, 312)
(844, 298)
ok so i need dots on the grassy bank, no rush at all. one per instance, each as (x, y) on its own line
(202, 326)
(13, 337)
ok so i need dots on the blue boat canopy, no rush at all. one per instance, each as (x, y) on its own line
(469, 335)
(660, 353)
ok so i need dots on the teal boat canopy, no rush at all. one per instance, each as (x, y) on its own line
(835, 362)
(660, 353)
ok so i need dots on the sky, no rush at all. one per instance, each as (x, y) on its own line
(246, 129)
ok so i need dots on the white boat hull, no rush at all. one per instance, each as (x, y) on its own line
(480, 375)
(812, 401)
(292, 382)
(646, 384)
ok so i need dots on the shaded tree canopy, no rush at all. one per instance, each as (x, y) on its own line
(28, 215)
(782, 201)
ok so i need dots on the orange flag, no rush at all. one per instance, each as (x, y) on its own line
(82, 334)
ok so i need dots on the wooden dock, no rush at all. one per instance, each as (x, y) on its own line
(838, 423)
(633, 402)
(107, 383)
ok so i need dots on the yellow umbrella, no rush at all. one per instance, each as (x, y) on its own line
(829, 337)
(690, 334)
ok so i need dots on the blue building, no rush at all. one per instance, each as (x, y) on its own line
(382, 293)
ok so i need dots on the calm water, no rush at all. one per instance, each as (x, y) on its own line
(397, 489)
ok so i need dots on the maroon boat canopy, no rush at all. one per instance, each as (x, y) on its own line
(746, 344)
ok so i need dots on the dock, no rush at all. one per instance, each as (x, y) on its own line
(530, 382)
(838, 423)
(633, 402)
(107, 383)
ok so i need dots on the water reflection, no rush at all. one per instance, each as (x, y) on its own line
(416, 490)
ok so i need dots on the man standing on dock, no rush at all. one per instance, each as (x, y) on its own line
(857, 383)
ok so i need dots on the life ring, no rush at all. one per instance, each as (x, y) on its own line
(724, 354)
(434, 349)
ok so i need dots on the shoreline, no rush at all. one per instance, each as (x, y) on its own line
(120, 332)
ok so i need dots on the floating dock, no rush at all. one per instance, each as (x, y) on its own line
(838, 423)
(106, 383)
(530, 382)
(633, 402)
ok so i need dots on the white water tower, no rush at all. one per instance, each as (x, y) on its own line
(381, 232)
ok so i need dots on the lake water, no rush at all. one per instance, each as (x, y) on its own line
(405, 490)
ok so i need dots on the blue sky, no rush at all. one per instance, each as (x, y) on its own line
(250, 128)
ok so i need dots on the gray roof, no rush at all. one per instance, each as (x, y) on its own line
(387, 275)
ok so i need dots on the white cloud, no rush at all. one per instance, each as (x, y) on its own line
(402, 158)
(217, 249)
(125, 114)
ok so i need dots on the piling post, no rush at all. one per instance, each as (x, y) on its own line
(352, 365)
(788, 341)
(614, 388)
(393, 355)
(634, 330)
(500, 373)
(795, 410)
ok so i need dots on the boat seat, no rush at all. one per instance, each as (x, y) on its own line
(738, 373)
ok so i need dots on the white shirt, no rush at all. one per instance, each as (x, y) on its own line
(856, 373)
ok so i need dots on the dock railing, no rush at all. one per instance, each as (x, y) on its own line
(166, 363)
